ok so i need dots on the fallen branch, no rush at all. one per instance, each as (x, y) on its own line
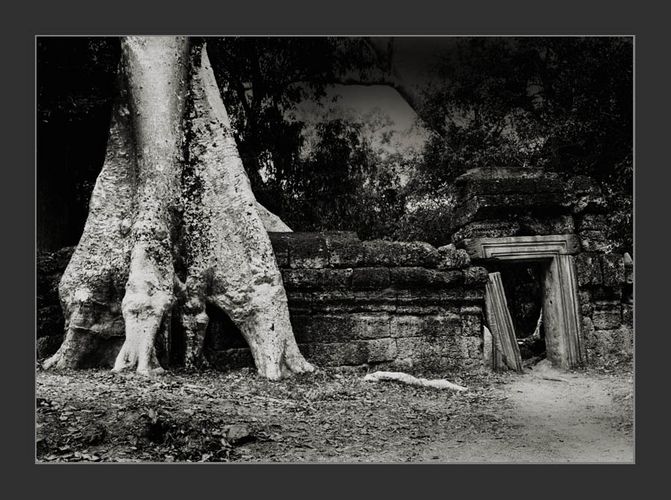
(410, 380)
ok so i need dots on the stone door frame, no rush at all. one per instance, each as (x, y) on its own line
(561, 310)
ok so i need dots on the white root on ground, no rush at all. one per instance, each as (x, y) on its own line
(410, 380)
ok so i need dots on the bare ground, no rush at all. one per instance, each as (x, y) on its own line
(333, 416)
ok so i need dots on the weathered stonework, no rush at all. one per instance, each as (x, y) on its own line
(518, 205)
(410, 306)
(395, 305)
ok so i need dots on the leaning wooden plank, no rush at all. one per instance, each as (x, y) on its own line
(500, 322)
(492, 351)
(410, 380)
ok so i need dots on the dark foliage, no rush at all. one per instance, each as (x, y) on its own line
(75, 89)
(562, 104)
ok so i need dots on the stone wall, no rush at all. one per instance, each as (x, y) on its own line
(379, 303)
(411, 306)
(515, 202)
(385, 304)
(605, 282)
(606, 306)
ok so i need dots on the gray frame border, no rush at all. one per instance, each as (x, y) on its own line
(344, 18)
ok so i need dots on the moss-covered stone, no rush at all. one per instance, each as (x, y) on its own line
(316, 279)
(588, 269)
(399, 253)
(612, 268)
(370, 278)
(419, 277)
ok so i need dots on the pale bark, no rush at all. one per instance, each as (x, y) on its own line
(152, 208)
(271, 222)
(405, 378)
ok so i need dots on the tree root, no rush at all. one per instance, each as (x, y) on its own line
(173, 189)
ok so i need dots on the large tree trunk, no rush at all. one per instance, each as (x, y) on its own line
(173, 225)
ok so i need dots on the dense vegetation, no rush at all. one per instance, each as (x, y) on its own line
(556, 103)
(563, 104)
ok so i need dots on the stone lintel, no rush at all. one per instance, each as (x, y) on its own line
(521, 247)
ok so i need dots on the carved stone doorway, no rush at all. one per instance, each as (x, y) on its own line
(561, 311)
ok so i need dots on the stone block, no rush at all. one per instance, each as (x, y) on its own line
(465, 295)
(370, 278)
(493, 206)
(546, 225)
(585, 300)
(399, 253)
(470, 310)
(344, 327)
(280, 242)
(336, 353)
(436, 301)
(612, 268)
(381, 350)
(428, 326)
(419, 277)
(471, 325)
(372, 326)
(594, 241)
(344, 248)
(316, 279)
(320, 328)
(475, 276)
(332, 301)
(504, 180)
(299, 302)
(424, 301)
(374, 300)
(453, 258)
(301, 324)
(610, 346)
(588, 269)
(487, 229)
(308, 251)
(607, 315)
(606, 293)
(406, 326)
(431, 354)
(419, 348)
(472, 349)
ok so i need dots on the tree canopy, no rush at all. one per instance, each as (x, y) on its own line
(557, 103)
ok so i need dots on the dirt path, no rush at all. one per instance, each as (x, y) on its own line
(541, 416)
(554, 416)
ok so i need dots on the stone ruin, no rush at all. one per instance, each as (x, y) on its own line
(412, 307)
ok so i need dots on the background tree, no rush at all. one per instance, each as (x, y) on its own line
(557, 103)
(563, 104)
